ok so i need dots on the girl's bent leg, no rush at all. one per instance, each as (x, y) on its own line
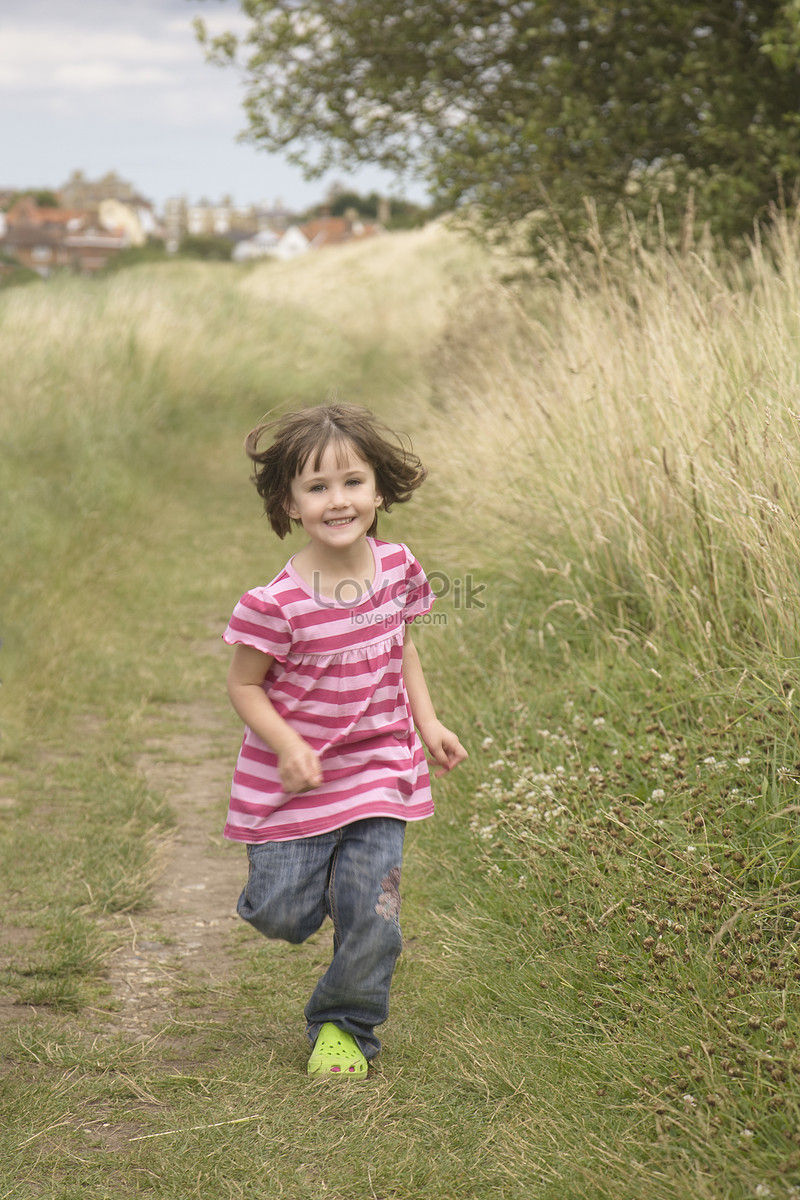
(285, 893)
(364, 902)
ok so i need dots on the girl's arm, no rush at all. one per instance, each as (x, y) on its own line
(441, 742)
(298, 765)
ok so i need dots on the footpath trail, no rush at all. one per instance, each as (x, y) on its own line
(185, 929)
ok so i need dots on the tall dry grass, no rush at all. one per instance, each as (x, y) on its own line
(630, 421)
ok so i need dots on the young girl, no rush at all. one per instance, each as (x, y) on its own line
(330, 690)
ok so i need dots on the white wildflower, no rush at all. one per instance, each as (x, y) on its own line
(657, 795)
(744, 761)
(667, 759)
(487, 742)
(599, 722)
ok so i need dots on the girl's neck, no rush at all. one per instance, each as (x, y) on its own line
(329, 573)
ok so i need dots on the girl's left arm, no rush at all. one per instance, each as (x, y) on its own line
(442, 743)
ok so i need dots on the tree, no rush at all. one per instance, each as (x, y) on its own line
(43, 197)
(504, 102)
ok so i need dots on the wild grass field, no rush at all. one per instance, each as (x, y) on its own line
(598, 994)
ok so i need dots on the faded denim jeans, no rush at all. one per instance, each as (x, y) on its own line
(353, 876)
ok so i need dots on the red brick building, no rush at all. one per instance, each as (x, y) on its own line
(46, 239)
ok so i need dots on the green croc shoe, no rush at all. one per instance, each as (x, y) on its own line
(336, 1054)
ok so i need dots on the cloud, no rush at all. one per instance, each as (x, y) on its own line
(119, 63)
(32, 60)
(63, 44)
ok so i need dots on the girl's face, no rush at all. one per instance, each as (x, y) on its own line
(336, 501)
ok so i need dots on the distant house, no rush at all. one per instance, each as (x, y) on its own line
(261, 245)
(223, 219)
(45, 239)
(39, 249)
(27, 212)
(88, 194)
(333, 231)
(113, 202)
(317, 234)
(90, 247)
(292, 243)
(138, 223)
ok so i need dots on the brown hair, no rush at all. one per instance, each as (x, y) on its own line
(299, 435)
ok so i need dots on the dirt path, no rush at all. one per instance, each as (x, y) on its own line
(187, 927)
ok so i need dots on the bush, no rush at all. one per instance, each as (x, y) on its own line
(209, 249)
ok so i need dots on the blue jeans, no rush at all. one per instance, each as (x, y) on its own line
(353, 876)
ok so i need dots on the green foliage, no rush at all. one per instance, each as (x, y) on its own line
(508, 104)
(43, 197)
(206, 248)
(365, 206)
(403, 214)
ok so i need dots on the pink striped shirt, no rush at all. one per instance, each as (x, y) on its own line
(337, 679)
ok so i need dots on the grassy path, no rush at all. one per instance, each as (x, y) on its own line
(154, 1045)
(185, 930)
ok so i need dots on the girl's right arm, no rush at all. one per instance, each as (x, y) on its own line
(298, 765)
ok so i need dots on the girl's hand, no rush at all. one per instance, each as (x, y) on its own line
(444, 746)
(299, 767)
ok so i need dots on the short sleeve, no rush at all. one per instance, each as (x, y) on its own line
(419, 594)
(258, 621)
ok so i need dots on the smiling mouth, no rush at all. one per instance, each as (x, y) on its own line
(341, 521)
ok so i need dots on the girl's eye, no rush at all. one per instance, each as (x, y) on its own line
(318, 487)
(354, 482)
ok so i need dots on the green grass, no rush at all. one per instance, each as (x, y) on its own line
(598, 997)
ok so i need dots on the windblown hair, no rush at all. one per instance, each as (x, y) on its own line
(299, 435)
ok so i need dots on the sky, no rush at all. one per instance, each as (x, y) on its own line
(122, 85)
